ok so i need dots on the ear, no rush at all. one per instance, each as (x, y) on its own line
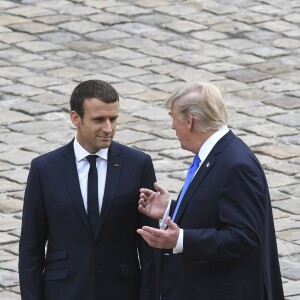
(75, 118)
(190, 122)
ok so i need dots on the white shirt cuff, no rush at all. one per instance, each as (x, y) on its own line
(179, 246)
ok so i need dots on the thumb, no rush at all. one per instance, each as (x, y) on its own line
(171, 224)
(159, 188)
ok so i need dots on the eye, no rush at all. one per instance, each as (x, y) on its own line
(98, 120)
(114, 119)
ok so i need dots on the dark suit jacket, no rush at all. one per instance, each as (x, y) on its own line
(79, 265)
(229, 244)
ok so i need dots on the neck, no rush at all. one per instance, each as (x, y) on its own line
(200, 139)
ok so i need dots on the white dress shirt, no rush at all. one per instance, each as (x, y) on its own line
(203, 153)
(83, 167)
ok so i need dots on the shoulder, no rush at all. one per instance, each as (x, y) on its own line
(53, 155)
(233, 146)
(238, 154)
(240, 149)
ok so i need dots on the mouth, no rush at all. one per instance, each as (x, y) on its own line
(105, 138)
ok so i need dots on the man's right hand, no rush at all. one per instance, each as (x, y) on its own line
(154, 204)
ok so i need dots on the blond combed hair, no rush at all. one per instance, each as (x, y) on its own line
(204, 102)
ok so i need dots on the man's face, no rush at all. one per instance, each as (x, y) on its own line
(96, 129)
(181, 128)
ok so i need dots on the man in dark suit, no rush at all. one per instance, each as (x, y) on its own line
(93, 251)
(219, 242)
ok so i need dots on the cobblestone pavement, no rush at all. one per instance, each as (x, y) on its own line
(147, 48)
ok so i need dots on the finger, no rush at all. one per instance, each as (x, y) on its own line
(146, 192)
(145, 235)
(142, 201)
(148, 236)
(143, 196)
(141, 209)
(150, 239)
(140, 231)
(148, 229)
(154, 232)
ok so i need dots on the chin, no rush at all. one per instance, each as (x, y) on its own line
(105, 145)
(186, 148)
(183, 147)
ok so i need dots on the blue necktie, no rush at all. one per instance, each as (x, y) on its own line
(92, 194)
(189, 177)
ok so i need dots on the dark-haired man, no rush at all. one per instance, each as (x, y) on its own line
(80, 202)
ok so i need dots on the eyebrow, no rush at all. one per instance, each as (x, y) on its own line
(104, 117)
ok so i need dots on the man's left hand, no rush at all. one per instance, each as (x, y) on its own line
(159, 238)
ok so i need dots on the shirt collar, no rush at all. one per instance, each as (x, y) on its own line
(81, 153)
(211, 142)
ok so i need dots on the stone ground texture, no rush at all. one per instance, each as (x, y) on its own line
(146, 49)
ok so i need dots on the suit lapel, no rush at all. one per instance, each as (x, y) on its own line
(206, 166)
(201, 174)
(71, 178)
(114, 167)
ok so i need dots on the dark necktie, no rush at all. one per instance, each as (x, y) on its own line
(189, 177)
(92, 194)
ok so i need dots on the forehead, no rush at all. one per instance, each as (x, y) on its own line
(173, 109)
(93, 102)
(97, 106)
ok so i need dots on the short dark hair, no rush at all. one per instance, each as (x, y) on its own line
(92, 89)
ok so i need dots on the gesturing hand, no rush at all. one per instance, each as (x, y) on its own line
(154, 204)
(162, 239)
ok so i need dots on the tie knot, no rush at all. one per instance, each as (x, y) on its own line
(92, 159)
(196, 160)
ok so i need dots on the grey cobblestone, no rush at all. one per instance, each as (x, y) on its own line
(33, 28)
(146, 49)
(10, 206)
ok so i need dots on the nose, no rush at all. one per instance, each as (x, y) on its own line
(107, 126)
(173, 126)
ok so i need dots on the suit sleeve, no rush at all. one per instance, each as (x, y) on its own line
(239, 230)
(33, 238)
(148, 256)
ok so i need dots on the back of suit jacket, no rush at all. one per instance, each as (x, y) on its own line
(229, 243)
(79, 264)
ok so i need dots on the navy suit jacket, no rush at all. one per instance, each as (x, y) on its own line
(229, 244)
(77, 264)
